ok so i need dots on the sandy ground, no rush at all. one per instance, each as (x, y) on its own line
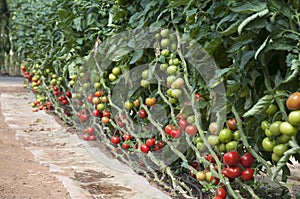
(20, 175)
(41, 157)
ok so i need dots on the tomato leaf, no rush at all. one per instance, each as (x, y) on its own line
(249, 6)
(136, 55)
(251, 18)
(282, 162)
(260, 105)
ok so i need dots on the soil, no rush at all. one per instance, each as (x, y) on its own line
(20, 175)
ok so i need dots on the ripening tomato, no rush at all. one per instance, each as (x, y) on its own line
(105, 120)
(191, 130)
(231, 123)
(201, 176)
(150, 101)
(182, 123)
(293, 102)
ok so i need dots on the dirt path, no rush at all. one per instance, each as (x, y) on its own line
(20, 175)
(62, 165)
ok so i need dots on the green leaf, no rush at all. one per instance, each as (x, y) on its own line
(177, 3)
(246, 57)
(251, 18)
(249, 7)
(283, 160)
(261, 105)
(296, 70)
(136, 56)
(62, 13)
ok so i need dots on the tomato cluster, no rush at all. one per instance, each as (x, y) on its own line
(279, 133)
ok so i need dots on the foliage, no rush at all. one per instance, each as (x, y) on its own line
(255, 45)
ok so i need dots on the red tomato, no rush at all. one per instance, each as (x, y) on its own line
(85, 137)
(191, 130)
(150, 142)
(115, 140)
(126, 137)
(247, 174)
(90, 130)
(233, 172)
(221, 192)
(247, 160)
(144, 148)
(69, 94)
(175, 133)
(169, 128)
(92, 138)
(160, 144)
(231, 158)
(143, 113)
(125, 146)
(96, 113)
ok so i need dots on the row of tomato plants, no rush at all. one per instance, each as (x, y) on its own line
(162, 126)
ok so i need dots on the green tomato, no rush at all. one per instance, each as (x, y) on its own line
(116, 71)
(280, 149)
(165, 32)
(236, 135)
(221, 147)
(171, 79)
(165, 52)
(264, 125)
(176, 93)
(287, 129)
(283, 139)
(173, 100)
(230, 146)
(128, 105)
(201, 146)
(165, 43)
(144, 83)
(174, 61)
(268, 133)
(275, 157)
(267, 144)
(112, 77)
(101, 107)
(213, 140)
(275, 128)
(272, 109)
(172, 70)
(163, 67)
(225, 135)
(191, 119)
(145, 74)
(199, 139)
(294, 118)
